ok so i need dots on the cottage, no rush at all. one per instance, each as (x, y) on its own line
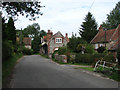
(107, 38)
(51, 42)
(27, 42)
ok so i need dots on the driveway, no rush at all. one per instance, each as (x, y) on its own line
(34, 71)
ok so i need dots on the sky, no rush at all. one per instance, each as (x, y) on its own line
(66, 16)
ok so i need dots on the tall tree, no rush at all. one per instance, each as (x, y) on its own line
(11, 32)
(88, 28)
(32, 30)
(113, 19)
(29, 9)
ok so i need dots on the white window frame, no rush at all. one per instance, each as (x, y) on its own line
(58, 40)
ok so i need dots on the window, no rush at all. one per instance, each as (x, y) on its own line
(58, 40)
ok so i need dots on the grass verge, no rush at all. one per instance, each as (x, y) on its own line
(85, 68)
(45, 56)
(8, 66)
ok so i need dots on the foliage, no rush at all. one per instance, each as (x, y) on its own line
(88, 28)
(42, 33)
(32, 30)
(89, 49)
(74, 42)
(26, 51)
(62, 50)
(101, 49)
(84, 58)
(7, 67)
(10, 31)
(4, 32)
(80, 47)
(36, 44)
(113, 19)
(53, 55)
(7, 50)
(29, 9)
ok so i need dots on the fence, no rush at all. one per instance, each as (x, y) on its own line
(104, 64)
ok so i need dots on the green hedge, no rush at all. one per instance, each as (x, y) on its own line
(84, 58)
(93, 58)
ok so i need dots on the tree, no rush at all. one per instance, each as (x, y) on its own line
(89, 28)
(36, 44)
(32, 30)
(10, 30)
(42, 33)
(73, 43)
(29, 9)
(113, 19)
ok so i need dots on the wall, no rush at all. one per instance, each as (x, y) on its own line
(61, 58)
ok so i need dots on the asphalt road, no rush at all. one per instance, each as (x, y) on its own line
(37, 72)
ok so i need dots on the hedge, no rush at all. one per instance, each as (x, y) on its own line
(84, 58)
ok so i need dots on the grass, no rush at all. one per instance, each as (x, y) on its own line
(85, 68)
(7, 66)
(46, 56)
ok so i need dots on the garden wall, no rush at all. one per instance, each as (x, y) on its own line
(61, 58)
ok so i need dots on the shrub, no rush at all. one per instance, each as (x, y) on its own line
(7, 50)
(62, 50)
(53, 55)
(101, 49)
(89, 49)
(26, 51)
(84, 58)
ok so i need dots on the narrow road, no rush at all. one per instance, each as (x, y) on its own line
(37, 72)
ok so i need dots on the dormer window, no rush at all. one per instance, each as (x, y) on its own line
(58, 40)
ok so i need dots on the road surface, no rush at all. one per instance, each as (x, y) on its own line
(34, 71)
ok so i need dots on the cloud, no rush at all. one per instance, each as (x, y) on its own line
(67, 15)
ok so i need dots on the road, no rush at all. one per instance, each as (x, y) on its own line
(34, 71)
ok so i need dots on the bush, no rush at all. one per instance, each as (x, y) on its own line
(89, 49)
(26, 51)
(53, 55)
(7, 50)
(101, 49)
(84, 58)
(62, 50)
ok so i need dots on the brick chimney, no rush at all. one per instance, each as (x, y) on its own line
(66, 36)
(49, 34)
(100, 28)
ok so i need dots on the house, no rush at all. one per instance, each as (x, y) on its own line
(107, 38)
(51, 42)
(27, 42)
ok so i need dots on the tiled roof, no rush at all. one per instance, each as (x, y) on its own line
(27, 40)
(110, 35)
(100, 37)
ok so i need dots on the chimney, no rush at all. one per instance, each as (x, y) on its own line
(48, 31)
(100, 28)
(66, 36)
(49, 34)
